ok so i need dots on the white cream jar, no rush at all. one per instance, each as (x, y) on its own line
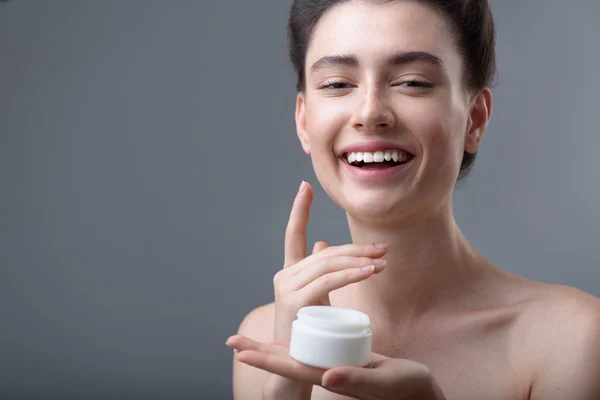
(326, 337)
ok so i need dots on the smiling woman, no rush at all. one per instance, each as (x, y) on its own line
(392, 103)
(473, 30)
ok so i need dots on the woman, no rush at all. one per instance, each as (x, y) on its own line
(393, 101)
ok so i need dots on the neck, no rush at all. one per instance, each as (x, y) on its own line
(429, 261)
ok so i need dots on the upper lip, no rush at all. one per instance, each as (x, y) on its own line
(371, 147)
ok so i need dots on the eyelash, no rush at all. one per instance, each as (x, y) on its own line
(417, 84)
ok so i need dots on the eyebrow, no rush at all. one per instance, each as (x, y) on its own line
(400, 58)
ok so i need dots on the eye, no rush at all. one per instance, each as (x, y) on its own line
(333, 85)
(414, 83)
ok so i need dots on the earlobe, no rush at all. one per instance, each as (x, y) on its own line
(479, 117)
(301, 123)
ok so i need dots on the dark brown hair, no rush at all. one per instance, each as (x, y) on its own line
(471, 20)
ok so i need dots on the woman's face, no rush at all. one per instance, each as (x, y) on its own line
(396, 84)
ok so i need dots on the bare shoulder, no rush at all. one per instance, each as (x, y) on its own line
(557, 315)
(563, 327)
(247, 380)
(562, 310)
(258, 323)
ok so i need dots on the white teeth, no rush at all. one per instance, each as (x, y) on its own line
(378, 156)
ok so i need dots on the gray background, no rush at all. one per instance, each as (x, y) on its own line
(148, 160)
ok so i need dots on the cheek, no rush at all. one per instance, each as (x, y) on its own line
(438, 131)
(323, 120)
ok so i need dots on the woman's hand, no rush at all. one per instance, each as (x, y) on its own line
(307, 281)
(382, 379)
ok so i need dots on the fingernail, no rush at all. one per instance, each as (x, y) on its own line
(380, 245)
(368, 268)
(379, 261)
(302, 188)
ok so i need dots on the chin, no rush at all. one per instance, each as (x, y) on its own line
(375, 207)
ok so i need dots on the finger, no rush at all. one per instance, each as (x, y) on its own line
(242, 343)
(295, 233)
(333, 264)
(320, 245)
(330, 282)
(352, 250)
(280, 365)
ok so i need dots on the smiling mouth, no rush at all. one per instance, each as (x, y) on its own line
(368, 161)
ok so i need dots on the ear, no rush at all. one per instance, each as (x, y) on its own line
(301, 122)
(481, 111)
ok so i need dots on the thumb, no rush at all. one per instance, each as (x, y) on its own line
(361, 383)
(381, 378)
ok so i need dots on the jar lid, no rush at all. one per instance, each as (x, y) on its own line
(330, 316)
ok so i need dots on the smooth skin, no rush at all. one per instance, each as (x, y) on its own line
(308, 281)
(447, 323)
(556, 353)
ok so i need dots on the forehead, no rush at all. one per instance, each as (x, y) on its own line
(372, 31)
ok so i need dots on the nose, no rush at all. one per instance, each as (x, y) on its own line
(373, 114)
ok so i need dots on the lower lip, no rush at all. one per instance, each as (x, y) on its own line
(379, 174)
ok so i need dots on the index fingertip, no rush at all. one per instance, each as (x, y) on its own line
(304, 188)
